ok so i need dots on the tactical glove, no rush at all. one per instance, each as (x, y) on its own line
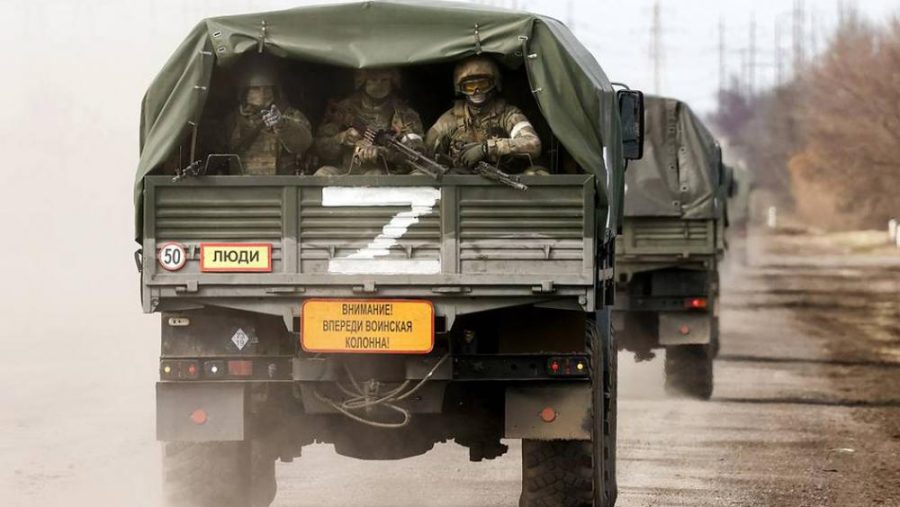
(472, 154)
(367, 153)
(350, 137)
(272, 117)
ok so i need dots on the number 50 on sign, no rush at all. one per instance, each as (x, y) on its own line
(171, 256)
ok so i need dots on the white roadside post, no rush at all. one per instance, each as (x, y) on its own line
(772, 218)
(892, 231)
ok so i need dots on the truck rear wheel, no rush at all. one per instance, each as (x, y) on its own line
(689, 371)
(225, 474)
(576, 473)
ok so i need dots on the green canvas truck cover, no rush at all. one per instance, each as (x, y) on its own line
(679, 173)
(572, 91)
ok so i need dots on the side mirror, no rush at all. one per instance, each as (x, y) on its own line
(631, 111)
(731, 184)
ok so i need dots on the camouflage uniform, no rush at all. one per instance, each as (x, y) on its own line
(502, 130)
(390, 113)
(269, 150)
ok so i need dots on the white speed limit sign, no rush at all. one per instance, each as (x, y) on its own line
(171, 256)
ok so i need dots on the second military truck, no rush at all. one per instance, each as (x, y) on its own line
(668, 254)
(384, 313)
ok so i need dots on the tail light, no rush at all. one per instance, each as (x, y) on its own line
(696, 303)
(240, 368)
(568, 366)
(179, 369)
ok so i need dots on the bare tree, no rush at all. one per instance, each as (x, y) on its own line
(829, 140)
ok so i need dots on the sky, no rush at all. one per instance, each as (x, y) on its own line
(618, 32)
(75, 73)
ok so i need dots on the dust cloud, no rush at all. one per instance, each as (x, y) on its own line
(80, 358)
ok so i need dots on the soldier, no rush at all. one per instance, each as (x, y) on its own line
(268, 134)
(374, 105)
(483, 126)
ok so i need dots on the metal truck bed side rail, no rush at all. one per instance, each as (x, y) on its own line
(337, 237)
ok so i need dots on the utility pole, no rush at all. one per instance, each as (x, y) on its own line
(656, 48)
(722, 69)
(751, 58)
(813, 32)
(743, 86)
(779, 55)
(799, 55)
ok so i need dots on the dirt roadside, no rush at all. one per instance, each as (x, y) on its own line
(806, 404)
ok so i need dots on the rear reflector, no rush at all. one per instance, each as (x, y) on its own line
(199, 416)
(240, 368)
(548, 415)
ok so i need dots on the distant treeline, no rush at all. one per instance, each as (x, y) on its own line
(828, 141)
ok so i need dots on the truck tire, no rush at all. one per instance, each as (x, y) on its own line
(562, 472)
(224, 474)
(689, 371)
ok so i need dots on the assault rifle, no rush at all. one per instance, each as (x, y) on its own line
(199, 167)
(494, 173)
(194, 169)
(490, 172)
(387, 139)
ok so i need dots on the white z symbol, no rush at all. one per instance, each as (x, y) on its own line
(421, 200)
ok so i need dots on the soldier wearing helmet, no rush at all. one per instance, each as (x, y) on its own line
(483, 126)
(268, 134)
(374, 105)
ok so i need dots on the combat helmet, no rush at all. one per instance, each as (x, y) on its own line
(257, 71)
(475, 67)
(360, 76)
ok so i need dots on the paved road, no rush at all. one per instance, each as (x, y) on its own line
(806, 411)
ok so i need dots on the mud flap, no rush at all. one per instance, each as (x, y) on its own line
(684, 328)
(618, 321)
(200, 412)
(560, 412)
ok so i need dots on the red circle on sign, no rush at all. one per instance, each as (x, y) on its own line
(171, 256)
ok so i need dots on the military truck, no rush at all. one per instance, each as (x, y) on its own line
(668, 254)
(384, 314)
